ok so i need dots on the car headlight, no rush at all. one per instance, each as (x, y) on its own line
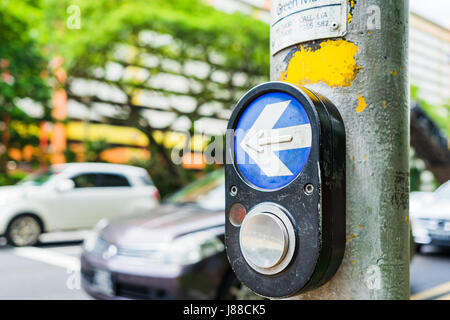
(185, 250)
(92, 240)
(420, 230)
(89, 241)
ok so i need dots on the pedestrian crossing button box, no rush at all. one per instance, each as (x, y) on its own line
(285, 189)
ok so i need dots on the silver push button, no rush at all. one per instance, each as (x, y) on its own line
(267, 239)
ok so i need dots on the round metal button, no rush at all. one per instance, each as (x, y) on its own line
(267, 239)
(264, 240)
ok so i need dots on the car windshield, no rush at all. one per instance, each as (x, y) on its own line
(38, 178)
(208, 192)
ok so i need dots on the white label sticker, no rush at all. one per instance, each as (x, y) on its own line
(296, 21)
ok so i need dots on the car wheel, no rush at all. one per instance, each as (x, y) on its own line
(233, 289)
(23, 231)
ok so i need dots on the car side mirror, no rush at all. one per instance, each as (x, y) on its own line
(65, 185)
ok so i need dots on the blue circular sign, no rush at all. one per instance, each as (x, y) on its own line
(272, 140)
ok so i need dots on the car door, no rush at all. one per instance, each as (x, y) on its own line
(116, 195)
(96, 195)
(75, 207)
(103, 195)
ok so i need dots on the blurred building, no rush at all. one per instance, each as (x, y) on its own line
(258, 9)
(429, 67)
(429, 59)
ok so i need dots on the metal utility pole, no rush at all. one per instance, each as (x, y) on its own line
(354, 53)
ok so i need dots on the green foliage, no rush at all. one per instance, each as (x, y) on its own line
(69, 155)
(166, 177)
(22, 60)
(12, 178)
(21, 67)
(242, 40)
(94, 148)
(232, 44)
(414, 176)
(440, 114)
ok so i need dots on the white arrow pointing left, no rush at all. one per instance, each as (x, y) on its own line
(262, 140)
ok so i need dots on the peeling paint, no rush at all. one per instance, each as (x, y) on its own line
(349, 18)
(384, 104)
(361, 104)
(373, 277)
(351, 3)
(333, 63)
(394, 73)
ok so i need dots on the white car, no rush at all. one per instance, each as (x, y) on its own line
(72, 196)
(430, 216)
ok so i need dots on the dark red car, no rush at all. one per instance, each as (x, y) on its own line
(173, 252)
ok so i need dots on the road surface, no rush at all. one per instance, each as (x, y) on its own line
(51, 271)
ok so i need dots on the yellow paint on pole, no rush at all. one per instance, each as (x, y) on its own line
(349, 18)
(361, 104)
(351, 3)
(332, 63)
